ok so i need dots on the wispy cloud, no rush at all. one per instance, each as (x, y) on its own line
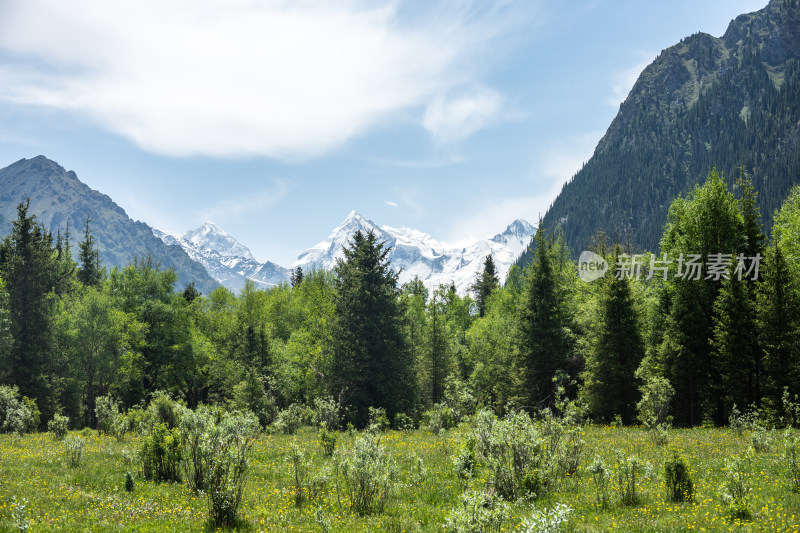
(453, 119)
(239, 78)
(391, 203)
(252, 202)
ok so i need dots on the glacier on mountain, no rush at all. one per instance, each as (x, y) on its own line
(413, 253)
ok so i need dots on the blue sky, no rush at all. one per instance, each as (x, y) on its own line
(275, 119)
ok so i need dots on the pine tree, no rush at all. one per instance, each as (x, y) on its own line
(371, 363)
(90, 274)
(296, 277)
(610, 381)
(486, 282)
(779, 327)
(542, 347)
(29, 270)
(439, 358)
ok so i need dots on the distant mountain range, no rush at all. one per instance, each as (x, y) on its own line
(701, 103)
(58, 196)
(209, 257)
(413, 252)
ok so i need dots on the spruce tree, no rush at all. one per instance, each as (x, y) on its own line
(28, 267)
(90, 273)
(296, 277)
(486, 282)
(542, 346)
(371, 366)
(610, 381)
(779, 327)
(439, 360)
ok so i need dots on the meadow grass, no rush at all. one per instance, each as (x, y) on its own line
(92, 497)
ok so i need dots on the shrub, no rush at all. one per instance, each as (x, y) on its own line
(367, 473)
(601, 477)
(464, 461)
(654, 408)
(736, 487)
(440, 417)
(161, 454)
(570, 452)
(106, 410)
(516, 456)
(477, 511)
(551, 521)
(378, 420)
(300, 473)
(289, 420)
(17, 415)
(761, 438)
(327, 440)
(403, 422)
(58, 426)
(326, 413)
(680, 487)
(629, 469)
(194, 431)
(74, 447)
(164, 410)
(230, 443)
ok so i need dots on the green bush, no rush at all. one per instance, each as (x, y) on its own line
(326, 413)
(289, 420)
(164, 410)
(161, 454)
(551, 521)
(367, 473)
(327, 440)
(229, 445)
(17, 415)
(106, 410)
(629, 470)
(680, 487)
(601, 477)
(440, 418)
(58, 426)
(378, 420)
(477, 512)
(129, 483)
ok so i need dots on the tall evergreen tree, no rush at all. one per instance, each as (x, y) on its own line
(28, 267)
(90, 273)
(438, 360)
(609, 378)
(371, 362)
(706, 223)
(486, 282)
(296, 277)
(542, 346)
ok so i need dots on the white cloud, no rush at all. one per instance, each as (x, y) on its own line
(252, 202)
(454, 119)
(390, 203)
(240, 78)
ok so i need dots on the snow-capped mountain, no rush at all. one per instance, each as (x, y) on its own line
(226, 259)
(416, 253)
(412, 252)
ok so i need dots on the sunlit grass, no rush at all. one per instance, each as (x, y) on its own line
(92, 497)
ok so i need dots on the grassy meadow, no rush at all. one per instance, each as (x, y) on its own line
(92, 497)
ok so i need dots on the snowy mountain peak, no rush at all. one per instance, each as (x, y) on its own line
(211, 236)
(520, 227)
(413, 252)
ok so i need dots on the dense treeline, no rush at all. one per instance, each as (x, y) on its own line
(692, 315)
